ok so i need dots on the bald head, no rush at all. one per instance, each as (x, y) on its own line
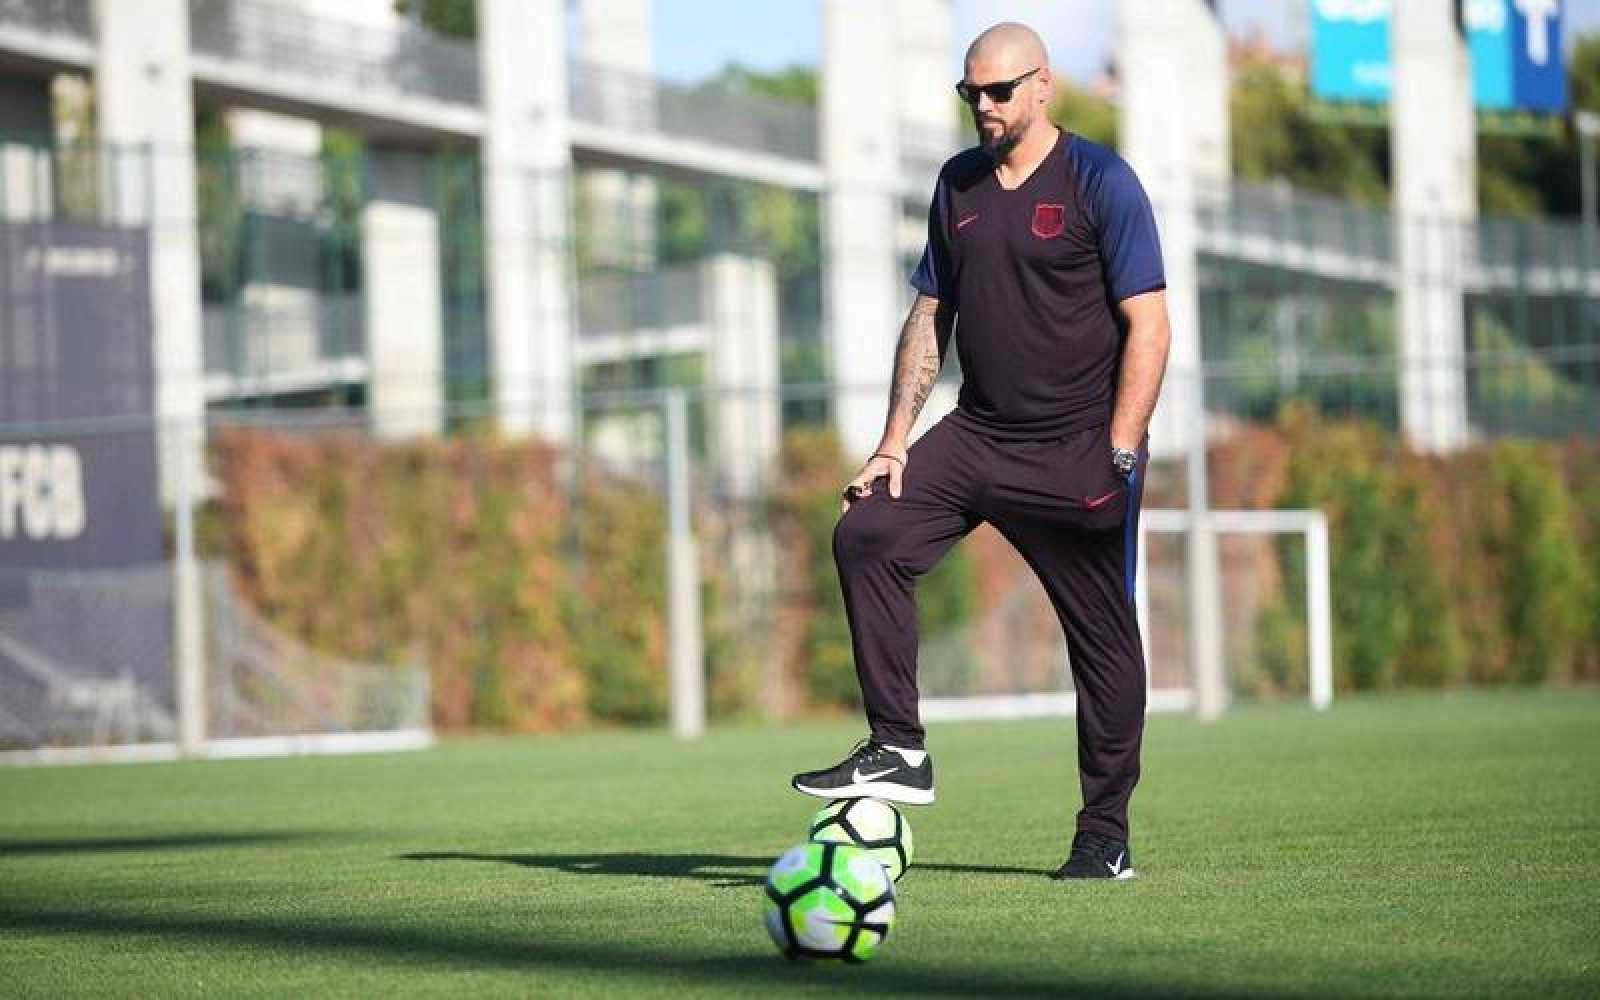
(1007, 44)
(1006, 116)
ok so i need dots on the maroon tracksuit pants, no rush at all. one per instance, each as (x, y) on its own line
(1073, 518)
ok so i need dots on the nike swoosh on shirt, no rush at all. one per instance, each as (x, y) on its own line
(970, 218)
(858, 777)
(1099, 501)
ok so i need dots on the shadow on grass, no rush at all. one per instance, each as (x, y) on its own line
(170, 842)
(462, 947)
(721, 870)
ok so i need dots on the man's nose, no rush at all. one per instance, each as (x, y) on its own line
(985, 102)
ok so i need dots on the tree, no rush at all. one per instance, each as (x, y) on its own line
(1275, 136)
(799, 84)
(1079, 111)
(454, 18)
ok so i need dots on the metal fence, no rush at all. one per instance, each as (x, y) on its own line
(446, 551)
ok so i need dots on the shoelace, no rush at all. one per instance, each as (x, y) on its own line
(865, 750)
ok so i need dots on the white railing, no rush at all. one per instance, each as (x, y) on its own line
(57, 17)
(285, 39)
(638, 102)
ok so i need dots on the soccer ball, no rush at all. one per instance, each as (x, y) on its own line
(828, 901)
(871, 824)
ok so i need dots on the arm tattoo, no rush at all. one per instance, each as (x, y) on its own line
(918, 357)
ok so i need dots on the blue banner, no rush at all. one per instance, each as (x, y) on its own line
(1539, 72)
(1489, 40)
(1350, 50)
(1515, 46)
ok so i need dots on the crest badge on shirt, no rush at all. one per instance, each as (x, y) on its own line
(1048, 220)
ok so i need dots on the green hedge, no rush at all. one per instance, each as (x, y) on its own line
(539, 604)
(1446, 569)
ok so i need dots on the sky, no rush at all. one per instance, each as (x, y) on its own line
(696, 38)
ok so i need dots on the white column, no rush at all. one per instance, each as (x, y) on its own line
(929, 121)
(618, 35)
(400, 280)
(280, 177)
(27, 187)
(1432, 139)
(1180, 150)
(527, 165)
(145, 110)
(863, 287)
(745, 422)
(740, 296)
(26, 178)
(618, 208)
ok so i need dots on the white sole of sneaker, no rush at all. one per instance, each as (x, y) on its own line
(872, 790)
(1122, 876)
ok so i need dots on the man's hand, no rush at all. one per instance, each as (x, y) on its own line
(884, 462)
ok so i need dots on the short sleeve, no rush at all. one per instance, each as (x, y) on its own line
(934, 276)
(1130, 249)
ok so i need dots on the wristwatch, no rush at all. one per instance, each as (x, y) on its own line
(1124, 460)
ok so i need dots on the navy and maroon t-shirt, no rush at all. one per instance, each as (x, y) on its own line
(1035, 275)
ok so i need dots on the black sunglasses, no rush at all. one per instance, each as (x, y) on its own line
(999, 93)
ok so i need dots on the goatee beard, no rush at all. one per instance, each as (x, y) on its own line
(1001, 145)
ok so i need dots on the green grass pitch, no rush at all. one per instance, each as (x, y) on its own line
(1439, 844)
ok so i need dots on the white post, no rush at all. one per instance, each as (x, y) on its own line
(686, 668)
(1141, 603)
(1318, 594)
(1203, 575)
(188, 625)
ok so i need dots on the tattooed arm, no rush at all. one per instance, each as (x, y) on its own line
(924, 338)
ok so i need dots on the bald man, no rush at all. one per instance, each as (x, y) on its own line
(1044, 246)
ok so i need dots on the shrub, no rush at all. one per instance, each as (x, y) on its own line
(1392, 622)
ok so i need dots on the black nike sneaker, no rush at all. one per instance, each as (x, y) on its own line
(872, 771)
(1094, 855)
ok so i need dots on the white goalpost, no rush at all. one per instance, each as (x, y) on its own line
(1312, 525)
